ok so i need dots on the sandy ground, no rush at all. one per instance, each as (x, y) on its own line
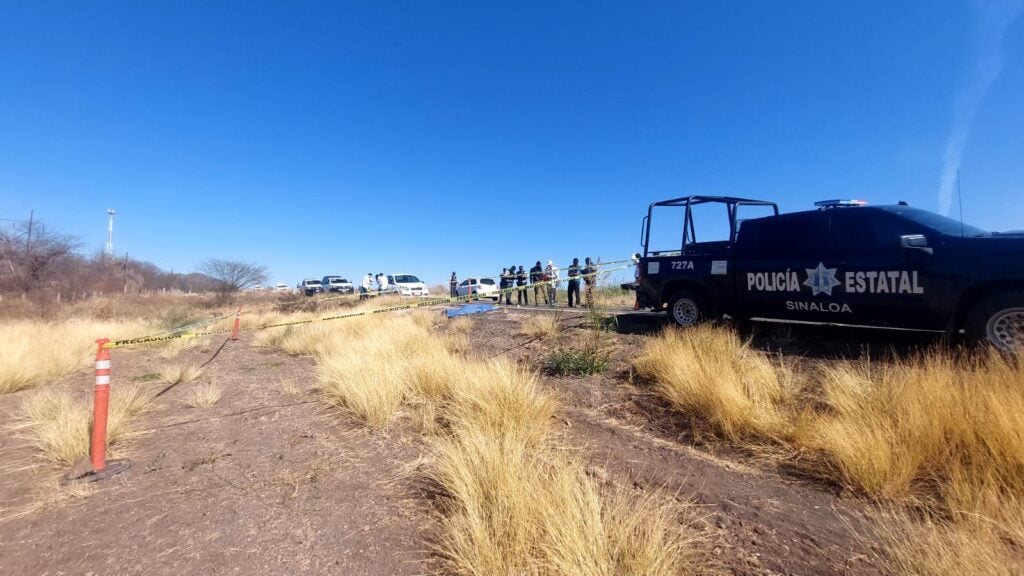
(271, 481)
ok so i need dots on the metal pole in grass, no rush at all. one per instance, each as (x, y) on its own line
(96, 466)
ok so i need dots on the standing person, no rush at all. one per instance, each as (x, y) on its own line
(367, 285)
(537, 276)
(574, 281)
(511, 283)
(521, 296)
(552, 273)
(502, 278)
(453, 284)
(590, 280)
(506, 284)
(382, 281)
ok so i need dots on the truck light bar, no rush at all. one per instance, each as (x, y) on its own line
(840, 203)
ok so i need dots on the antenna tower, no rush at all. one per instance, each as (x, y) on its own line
(108, 250)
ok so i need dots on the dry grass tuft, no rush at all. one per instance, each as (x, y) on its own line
(710, 373)
(935, 546)
(944, 431)
(941, 435)
(957, 424)
(540, 325)
(373, 375)
(33, 352)
(517, 505)
(59, 425)
(178, 373)
(461, 325)
(204, 395)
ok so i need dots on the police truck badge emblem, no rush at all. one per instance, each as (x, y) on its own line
(821, 279)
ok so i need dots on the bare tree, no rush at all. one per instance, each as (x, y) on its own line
(232, 276)
(32, 257)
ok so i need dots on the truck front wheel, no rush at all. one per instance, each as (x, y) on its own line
(998, 320)
(687, 308)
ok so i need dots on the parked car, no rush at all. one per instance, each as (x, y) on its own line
(281, 287)
(336, 284)
(407, 285)
(310, 286)
(485, 287)
(843, 263)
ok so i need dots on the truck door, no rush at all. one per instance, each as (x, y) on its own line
(782, 269)
(881, 281)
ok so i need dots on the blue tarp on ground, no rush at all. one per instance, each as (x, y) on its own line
(470, 309)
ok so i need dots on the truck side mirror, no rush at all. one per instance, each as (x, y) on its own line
(916, 242)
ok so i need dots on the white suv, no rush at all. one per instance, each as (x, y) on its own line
(407, 285)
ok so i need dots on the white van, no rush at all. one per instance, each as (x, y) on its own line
(407, 285)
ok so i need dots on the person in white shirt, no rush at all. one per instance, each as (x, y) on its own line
(382, 281)
(552, 273)
(366, 286)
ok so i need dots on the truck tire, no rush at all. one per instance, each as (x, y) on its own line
(999, 321)
(687, 308)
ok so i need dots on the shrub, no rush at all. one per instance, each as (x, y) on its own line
(577, 361)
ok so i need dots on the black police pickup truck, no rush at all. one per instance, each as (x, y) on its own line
(843, 263)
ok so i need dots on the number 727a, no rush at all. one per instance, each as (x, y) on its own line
(682, 265)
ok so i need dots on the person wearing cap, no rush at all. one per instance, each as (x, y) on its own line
(589, 280)
(453, 284)
(552, 273)
(521, 296)
(536, 277)
(574, 282)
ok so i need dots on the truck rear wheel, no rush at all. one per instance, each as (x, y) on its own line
(999, 321)
(687, 308)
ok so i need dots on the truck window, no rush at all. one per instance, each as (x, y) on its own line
(861, 233)
(787, 236)
(710, 222)
(666, 229)
(748, 212)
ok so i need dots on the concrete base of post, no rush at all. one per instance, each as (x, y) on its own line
(83, 471)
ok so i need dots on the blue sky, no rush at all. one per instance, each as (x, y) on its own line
(346, 137)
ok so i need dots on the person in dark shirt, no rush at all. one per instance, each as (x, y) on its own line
(507, 279)
(537, 276)
(521, 297)
(453, 283)
(574, 281)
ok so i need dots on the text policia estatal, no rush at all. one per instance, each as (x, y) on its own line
(854, 282)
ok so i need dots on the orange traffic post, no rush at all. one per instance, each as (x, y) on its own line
(234, 331)
(101, 401)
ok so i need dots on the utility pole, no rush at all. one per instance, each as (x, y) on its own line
(108, 250)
